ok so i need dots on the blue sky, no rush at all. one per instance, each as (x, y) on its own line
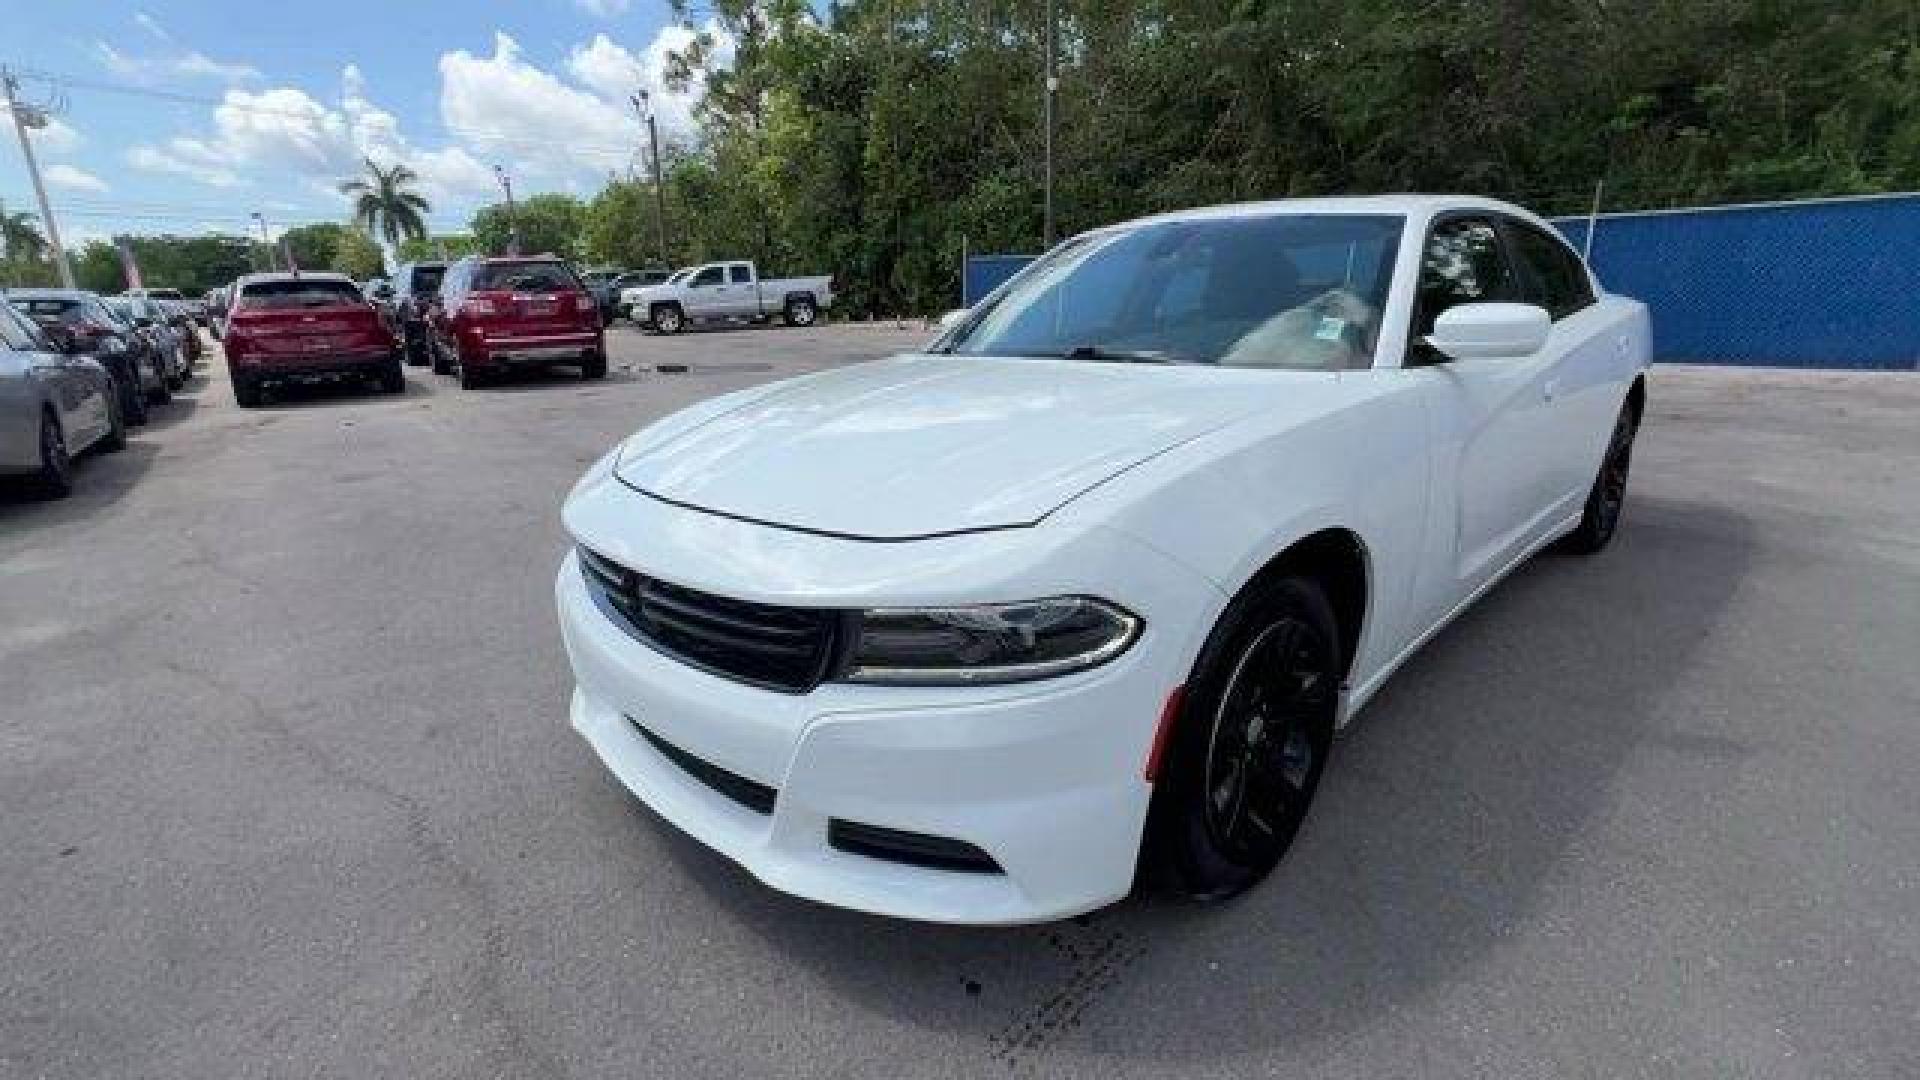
(186, 117)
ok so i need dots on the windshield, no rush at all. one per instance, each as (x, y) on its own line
(1300, 291)
(305, 293)
(523, 277)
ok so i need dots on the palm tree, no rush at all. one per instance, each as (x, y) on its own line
(20, 237)
(384, 202)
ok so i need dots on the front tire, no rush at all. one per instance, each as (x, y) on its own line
(115, 440)
(1250, 741)
(55, 478)
(1608, 496)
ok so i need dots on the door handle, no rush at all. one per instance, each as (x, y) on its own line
(1550, 389)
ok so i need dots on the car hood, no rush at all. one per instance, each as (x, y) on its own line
(921, 446)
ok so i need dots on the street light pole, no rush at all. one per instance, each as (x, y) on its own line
(24, 117)
(513, 216)
(1052, 87)
(641, 104)
(266, 244)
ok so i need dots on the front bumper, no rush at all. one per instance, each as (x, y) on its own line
(1046, 778)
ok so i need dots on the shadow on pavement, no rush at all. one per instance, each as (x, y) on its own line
(1449, 803)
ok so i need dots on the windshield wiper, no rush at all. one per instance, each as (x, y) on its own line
(1102, 355)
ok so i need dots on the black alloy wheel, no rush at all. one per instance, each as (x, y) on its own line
(1608, 497)
(1250, 741)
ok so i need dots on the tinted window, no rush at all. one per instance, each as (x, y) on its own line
(66, 311)
(1284, 290)
(1463, 264)
(304, 293)
(425, 280)
(710, 276)
(523, 277)
(742, 276)
(1554, 276)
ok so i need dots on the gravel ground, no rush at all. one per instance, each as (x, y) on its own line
(286, 787)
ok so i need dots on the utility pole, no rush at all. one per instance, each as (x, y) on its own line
(1052, 87)
(24, 117)
(513, 216)
(642, 105)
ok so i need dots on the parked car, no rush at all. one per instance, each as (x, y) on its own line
(178, 316)
(607, 287)
(161, 340)
(972, 636)
(499, 315)
(416, 287)
(52, 406)
(731, 290)
(306, 328)
(138, 370)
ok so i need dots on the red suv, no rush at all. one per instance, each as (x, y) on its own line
(498, 315)
(306, 328)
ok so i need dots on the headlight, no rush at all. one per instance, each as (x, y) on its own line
(998, 643)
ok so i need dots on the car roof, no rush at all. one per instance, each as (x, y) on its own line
(51, 294)
(1407, 204)
(255, 279)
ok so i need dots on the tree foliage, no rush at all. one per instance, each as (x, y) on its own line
(385, 204)
(437, 248)
(548, 224)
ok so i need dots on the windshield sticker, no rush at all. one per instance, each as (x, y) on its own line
(1331, 329)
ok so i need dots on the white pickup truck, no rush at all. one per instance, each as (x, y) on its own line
(727, 290)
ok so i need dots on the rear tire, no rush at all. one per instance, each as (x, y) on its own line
(1608, 496)
(393, 379)
(801, 312)
(470, 379)
(55, 478)
(1250, 741)
(594, 367)
(416, 353)
(133, 402)
(439, 357)
(669, 319)
(161, 392)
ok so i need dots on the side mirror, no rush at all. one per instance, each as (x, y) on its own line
(952, 318)
(1487, 331)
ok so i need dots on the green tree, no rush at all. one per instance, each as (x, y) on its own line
(96, 266)
(435, 248)
(20, 238)
(549, 224)
(357, 256)
(385, 204)
(314, 246)
(619, 227)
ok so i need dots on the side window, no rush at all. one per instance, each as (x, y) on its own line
(741, 275)
(709, 276)
(1553, 275)
(1463, 264)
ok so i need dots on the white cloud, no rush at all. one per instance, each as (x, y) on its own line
(154, 159)
(118, 62)
(152, 26)
(507, 109)
(614, 73)
(72, 179)
(199, 63)
(606, 9)
(58, 137)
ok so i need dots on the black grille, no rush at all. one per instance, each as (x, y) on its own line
(751, 794)
(914, 849)
(779, 648)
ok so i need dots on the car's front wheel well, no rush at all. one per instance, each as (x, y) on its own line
(1337, 560)
(1637, 398)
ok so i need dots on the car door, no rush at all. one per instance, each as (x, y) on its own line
(1492, 414)
(1584, 391)
(743, 300)
(706, 294)
(82, 411)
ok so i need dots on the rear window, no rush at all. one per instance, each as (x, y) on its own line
(281, 295)
(523, 277)
(68, 311)
(426, 279)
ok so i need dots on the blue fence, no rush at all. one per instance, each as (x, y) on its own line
(1821, 283)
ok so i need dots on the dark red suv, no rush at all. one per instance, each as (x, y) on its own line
(499, 315)
(306, 328)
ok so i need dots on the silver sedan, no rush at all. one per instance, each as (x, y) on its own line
(52, 406)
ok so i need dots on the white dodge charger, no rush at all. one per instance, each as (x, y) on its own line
(975, 634)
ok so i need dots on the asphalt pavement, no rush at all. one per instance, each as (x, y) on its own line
(287, 789)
